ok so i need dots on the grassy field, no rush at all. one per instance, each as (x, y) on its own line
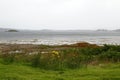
(81, 61)
(22, 72)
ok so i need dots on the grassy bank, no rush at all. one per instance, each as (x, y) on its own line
(66, 62)
(22, 72)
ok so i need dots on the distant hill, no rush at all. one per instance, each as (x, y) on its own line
(3, 29)
(101, 30)
(117, 30)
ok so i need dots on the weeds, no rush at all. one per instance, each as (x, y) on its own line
(71, 57)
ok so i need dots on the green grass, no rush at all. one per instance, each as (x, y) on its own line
(18, 71)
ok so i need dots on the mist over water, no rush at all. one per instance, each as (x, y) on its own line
(60, 37)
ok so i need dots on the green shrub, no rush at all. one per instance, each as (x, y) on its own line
(8, 58)
(36, 60)
(110, 56)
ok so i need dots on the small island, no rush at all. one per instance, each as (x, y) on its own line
(12, 30)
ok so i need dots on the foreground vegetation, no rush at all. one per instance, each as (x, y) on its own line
(66, 62)
(22, 72)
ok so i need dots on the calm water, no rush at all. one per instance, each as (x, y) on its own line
(60, 37)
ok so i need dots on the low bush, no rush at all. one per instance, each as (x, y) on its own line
(8, 58)
(66, 58)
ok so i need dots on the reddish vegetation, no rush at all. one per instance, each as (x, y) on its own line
(5, 48)
(82, 44)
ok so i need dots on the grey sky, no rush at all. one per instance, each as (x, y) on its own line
(60, 14)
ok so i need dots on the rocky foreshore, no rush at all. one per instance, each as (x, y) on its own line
(61, 42)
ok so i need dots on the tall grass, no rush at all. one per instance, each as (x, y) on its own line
(72, 58)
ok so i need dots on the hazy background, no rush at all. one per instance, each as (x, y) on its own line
(60, 14)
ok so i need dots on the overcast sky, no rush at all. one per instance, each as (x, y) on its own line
(60, 14)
